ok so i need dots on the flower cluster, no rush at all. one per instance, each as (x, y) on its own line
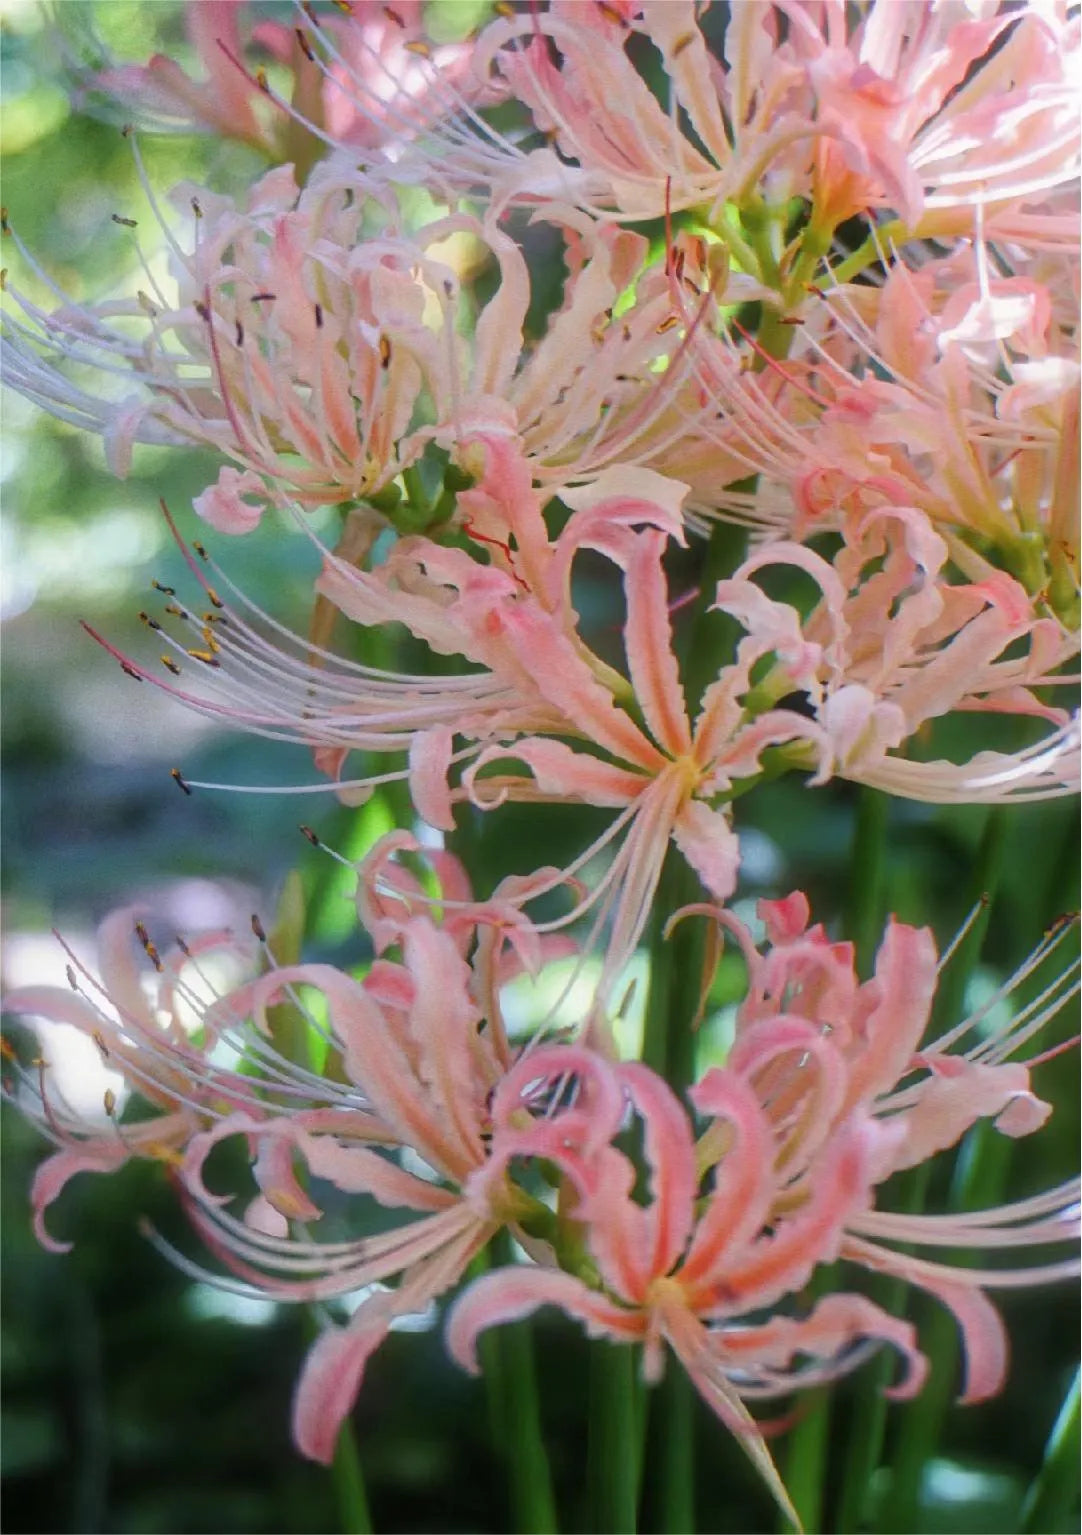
(841, 383)
(425, 1104)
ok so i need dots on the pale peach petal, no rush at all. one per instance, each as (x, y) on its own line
(102, 1155)
(430, 760)
(710, 846)
(332, 1375)
(510, 1294)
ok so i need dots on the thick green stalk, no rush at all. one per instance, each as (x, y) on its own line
(532, 1501)
(612, 1448)
(807, 1451)
(348, 1480)
(867, 885)
(1053, 1492)
(669, 1048)
(515, 1415)
(672, 1452)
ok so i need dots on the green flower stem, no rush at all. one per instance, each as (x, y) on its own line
(612, 1448)
(347, 1479)
(807, 1451)
(867, 885)
(1054, 1490)
(669, 1048)
(515, 1417)
(672, 1451)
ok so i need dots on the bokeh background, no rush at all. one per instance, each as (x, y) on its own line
(137, 1399)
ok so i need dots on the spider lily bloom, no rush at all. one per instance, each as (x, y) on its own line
(930, 1092)
(891, 646)
(932, 114)
(446, 1110)
(699, 1274)
(294, 345)
(947, 389)
(168, 1045)
(933, 1091)
(824, 1094)
(319, 347)
(923, 114)
(381, 51)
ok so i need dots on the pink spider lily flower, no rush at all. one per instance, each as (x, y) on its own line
(538, 680)
(947, 389)
(935, 1090)
(379, 52)
(932, 1091)
(921, 113)
(699, 1274)
(445, 1109)
(163, 96)
(825, 1093)
(932, 114)
(319, 347)
(890, 647)
(173, 1057)
(543, 719)
(293, 345)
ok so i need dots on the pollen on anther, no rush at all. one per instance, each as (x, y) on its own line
(148, 946)
(307, 832)
(151, 623)
(167, 591)
(118, 218)
(170, 665)
(258, 929)
(175, 775)
(109, 1100)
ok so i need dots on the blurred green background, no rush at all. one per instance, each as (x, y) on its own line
(137, 1400)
